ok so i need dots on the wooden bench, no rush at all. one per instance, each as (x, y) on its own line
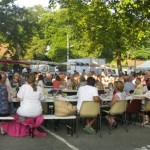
(48, 117)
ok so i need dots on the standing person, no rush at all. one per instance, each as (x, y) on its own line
(89, 93)
(83, 72)
(5, 95)
(30, 96)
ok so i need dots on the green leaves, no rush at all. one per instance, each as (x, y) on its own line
(107, 29)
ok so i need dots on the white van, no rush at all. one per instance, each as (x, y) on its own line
(42, 68)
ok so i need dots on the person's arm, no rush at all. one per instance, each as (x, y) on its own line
(96, 98)
(18, 99)
(114, 100)
(9, 94)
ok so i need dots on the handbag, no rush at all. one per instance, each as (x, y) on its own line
(63, 108)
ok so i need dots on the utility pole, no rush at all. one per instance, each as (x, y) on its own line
(135, 64)
(68, 46)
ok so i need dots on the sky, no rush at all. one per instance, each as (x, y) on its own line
(31, 3)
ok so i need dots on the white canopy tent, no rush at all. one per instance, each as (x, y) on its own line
(144, 66)
(69, 63)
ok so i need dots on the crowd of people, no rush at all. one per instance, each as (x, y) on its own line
(29, 91)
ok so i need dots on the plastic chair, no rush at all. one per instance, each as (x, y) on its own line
(89, 109)
(134, 107)
(118, 109)
(147, 109)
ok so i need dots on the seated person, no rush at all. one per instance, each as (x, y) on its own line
(48, 79)
(88, 92)
(145, 98)
(5, 95)
(120, 95)
(82, 81)
(100, 87)
(40, 81)
(57, 82)
(139, 87)
(29, 96)
(128, 85)
(56, 85)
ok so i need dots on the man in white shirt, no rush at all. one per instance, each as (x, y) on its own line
(88, 93)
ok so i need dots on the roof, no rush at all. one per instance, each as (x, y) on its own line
(145, 65)
(132, 62)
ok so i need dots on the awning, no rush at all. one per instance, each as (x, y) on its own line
(14, 61)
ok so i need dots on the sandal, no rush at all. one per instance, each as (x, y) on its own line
(146, 122)
(115, 125)
(89, 130)
(2, 132)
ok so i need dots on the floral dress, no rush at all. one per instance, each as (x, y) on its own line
(4, 105)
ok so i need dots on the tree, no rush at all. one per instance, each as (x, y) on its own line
(54, 28)
(107, 28)
(132, 18)
(37, 47)
(16, 27)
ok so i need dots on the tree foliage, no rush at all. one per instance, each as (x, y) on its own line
(96, 28)
(16, 28)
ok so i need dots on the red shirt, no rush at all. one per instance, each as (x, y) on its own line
(56, 84)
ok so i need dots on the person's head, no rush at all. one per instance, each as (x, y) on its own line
(82, 79)
(148, 73)
(125, 73)
(110, 85)
(91, 81)
(58, 78)
(31, 80)
(126, 79)
(119, 86)
(115, 82)
(3, 77)
(138, 81)
(48, 75)
(16, 77)
(40, 77)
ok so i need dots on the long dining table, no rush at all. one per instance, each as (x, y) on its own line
(72, 98)
(130, 97)
(51, 99)
(48, 102)
(64, 90)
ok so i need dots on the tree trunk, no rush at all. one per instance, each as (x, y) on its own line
(17, 51)
(119, 66)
